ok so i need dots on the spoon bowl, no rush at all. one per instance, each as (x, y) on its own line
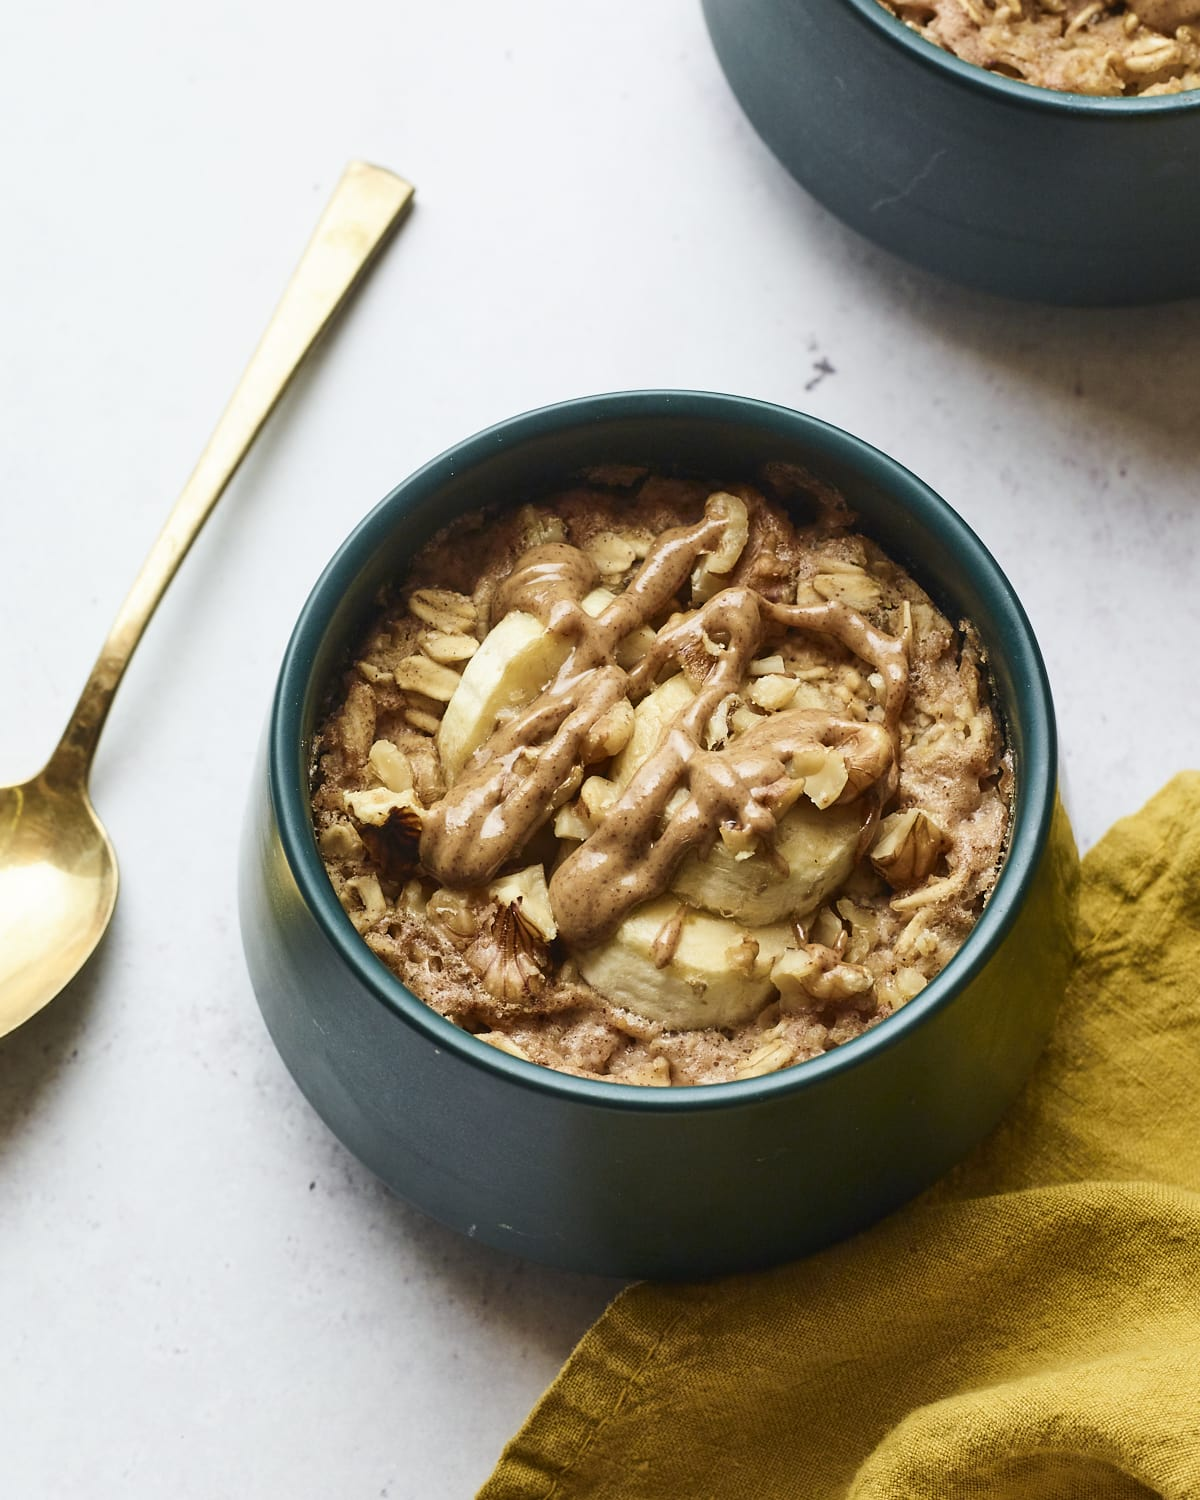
(58, 886)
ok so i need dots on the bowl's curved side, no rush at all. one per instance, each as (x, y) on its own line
(642, 1193)
(1063, 199)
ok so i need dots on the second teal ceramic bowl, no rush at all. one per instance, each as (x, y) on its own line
(987, 180)
(612, 1178)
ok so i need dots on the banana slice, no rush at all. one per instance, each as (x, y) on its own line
(650, 720)
(718, 975)
(818, 848)
(516, 660)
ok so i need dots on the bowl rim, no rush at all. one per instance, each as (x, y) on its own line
(1013, 90)
(1036, 776)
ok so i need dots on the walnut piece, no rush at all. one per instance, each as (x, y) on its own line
(815, 972)
(508, 955)
(908, 848)
(340, 841)
(455, 914)
(824, 786)
(374, 806)
(570, 823)
(772, 692)
(612, 554)
(597, 794)
(370, 897)
(610, 733)
(712, 571)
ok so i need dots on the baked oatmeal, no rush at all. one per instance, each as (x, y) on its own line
(1143, 48)
(660, 781)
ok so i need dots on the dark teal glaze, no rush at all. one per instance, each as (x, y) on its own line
(994, 183)
(610, 1178)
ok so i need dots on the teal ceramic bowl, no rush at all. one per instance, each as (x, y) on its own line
(992, 182)
(612, 1178)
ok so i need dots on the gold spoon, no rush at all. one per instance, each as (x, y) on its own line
(58, 872)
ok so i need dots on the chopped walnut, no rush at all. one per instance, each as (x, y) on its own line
(908, 847)
(339, 841)
(508, 956)
(773, 692)
(375, 806)
(712, 572)
(612, 554)
(814, 972)
(825, 785)
(610, 733)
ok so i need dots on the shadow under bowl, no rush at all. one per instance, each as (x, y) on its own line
(992, 182)
(611, 1178)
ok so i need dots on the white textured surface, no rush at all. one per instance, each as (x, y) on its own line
(200, 1293)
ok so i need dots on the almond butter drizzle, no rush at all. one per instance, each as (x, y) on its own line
(534, 762)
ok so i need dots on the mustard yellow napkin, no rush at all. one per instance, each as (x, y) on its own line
(1030, 1330)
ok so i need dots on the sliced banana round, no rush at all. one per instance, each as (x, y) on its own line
(818, 848)
(516, 660)
(817, 844)
(651, 719)
(718, 974)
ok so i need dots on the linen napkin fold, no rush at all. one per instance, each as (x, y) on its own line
(1027, 1330)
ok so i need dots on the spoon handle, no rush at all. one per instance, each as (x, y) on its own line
(366, 206)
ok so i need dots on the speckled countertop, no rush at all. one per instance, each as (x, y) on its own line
(201, 1294)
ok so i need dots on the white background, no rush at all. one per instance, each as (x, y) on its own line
(201, 1294)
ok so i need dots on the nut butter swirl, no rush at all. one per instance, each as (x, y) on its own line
(533, 763)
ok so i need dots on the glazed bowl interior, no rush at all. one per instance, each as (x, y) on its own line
(710, 436)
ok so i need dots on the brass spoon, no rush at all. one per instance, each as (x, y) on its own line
(58, 872)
